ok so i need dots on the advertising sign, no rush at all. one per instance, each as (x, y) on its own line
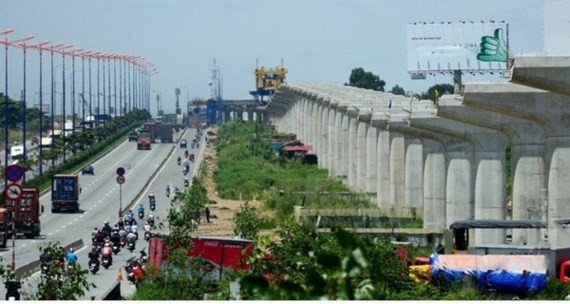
(472, 46)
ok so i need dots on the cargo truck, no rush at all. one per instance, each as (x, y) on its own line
(24, 214)
(133, 136)
(65, 193)
(218, 254)
(143, 140)
(166, 133)
(151, 128)
(3, 227)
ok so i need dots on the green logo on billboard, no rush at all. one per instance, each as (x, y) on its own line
(493, 48)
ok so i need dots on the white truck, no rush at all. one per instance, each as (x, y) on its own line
(16, 152)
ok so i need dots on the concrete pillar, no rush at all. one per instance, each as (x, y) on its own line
(459, 186)
(378, 121)
(397, 171)
(434, 211)
(325, 134)
(344, 143)
(413, 175)
(332, 138)
(527, 159)
(338, 143)
(362, 130)
(352, 149)
(371, 162)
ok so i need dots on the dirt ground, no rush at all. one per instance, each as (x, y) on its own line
(222, 212)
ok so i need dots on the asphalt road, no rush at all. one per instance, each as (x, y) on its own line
(169, 174)
(99, 201)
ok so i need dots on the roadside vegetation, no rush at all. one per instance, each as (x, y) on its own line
(294, 262)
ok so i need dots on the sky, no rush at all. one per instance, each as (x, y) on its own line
(319, 41)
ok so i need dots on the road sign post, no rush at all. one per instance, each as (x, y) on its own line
(120, 181)
(13, 192)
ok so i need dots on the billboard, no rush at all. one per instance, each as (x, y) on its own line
(465, 45)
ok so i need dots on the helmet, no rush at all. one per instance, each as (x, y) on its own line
(107, 244)
(71, 249)
(106, 223)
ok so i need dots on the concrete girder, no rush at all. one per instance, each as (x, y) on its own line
(543, 72)
(527, 161)
(552, 112)
(485, 163)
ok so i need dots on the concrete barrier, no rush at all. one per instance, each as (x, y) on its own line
(33, 266)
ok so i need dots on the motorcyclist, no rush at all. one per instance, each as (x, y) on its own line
(45, 258)
(150, 219)
(141, 208)
(131, 237)
(186, 181)
(146, 227)
(71, 257)
(178, 160)
(107, 252)
(94, 232)
(106, 228)
(167, 190)
(115, 237)
(94, 255)
(121, 223)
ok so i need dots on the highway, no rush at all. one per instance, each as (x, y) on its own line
(99, 201)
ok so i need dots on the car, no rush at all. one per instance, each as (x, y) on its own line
(183, 143)
(88, 170)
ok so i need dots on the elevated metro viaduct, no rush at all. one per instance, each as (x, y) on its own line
(447, 160)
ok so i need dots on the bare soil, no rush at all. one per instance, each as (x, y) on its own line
(223, 210)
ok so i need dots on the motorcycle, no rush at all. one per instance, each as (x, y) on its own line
(131, 246)
(152, 207)
(167, 192)
(192, 157)
(186, 183)
(147, 236)
(123, 242)
(151, 223)
(116, 248)
(184, 171)
(144, 257)
(179, 161)
(44, 267)
(106, 261)
(141, 214)
(93, 266)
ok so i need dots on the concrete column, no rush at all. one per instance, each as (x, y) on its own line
(459, 186)
(383, 161)
(352, 150)
(325, 135)
(397, 171)
(339, 144)
(434, 212)
(371, 162)
(558, 161)
(361, 156)
(413, 175)
(528, 169)
(344, 143)
(318, 130)
(332, 139)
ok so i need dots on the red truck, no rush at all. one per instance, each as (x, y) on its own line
(3, 227)
(151, 128)
(166, 132)
(24, 215)
(218, 254)
(143, 140)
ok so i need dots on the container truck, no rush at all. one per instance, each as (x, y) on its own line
(219, 253)
(65, 193)
(151, 128)
(24, 214)
(166, 133)
(3, 227)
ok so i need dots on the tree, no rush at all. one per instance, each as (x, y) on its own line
(398, 90)
(365, 80)
(60, 283)
(434, 92)
(247, 222)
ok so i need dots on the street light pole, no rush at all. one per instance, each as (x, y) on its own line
(24, 105)
(40, 148)
(63, 99)
(73, 116)
(6, 141)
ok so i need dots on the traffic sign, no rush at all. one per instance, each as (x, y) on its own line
(14, 173)
(120, 179)
(120, 171)
(13, 192)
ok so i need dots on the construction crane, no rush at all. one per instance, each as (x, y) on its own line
(267, 82)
